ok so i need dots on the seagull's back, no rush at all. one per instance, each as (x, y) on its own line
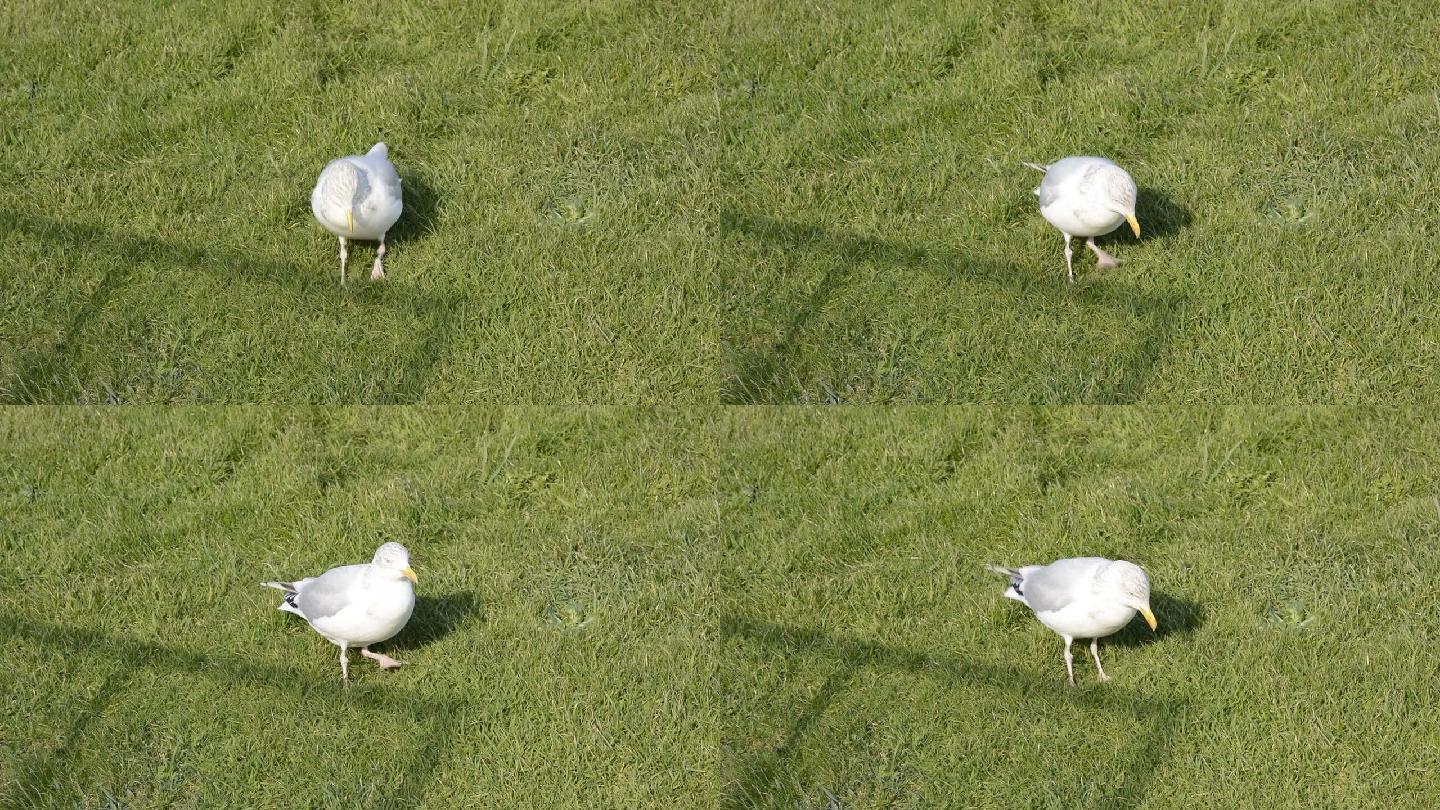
(1052, 587)
(377, 160)
(1067, 177)
(1067, 597)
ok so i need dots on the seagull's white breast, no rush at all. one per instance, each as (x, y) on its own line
(1087, 618)
(1078, 217)
(376, 611)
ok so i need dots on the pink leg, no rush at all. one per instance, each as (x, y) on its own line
(385, 661)
(1095, 652)
(1103, 259)
(1069, 267)
(379, 271)
(344, 254)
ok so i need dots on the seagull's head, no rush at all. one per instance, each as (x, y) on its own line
(1121, 191)
(392, 558)
(1129, 580)
(340, 186)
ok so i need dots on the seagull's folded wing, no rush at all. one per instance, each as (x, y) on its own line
(1058, 584)
(1048, 191)
(331, 592)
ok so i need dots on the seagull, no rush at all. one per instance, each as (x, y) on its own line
(1082, 597)
(1086, 196)
(356, 605)
(358, 197)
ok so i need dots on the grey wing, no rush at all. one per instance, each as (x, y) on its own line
(1053, 586)
(329, 593)
(382, 174)
(387, 179)
(1048, 191)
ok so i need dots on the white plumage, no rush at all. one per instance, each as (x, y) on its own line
(1086, 196)
(358, 197)
(357, 605)
(1082, 597)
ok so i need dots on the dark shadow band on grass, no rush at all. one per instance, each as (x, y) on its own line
(45, 369)
(40, 777)
(752, 782)
(438, 718)
(755, 379)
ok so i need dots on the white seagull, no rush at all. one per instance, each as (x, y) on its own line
(358, 197)
(1086, 196)
(357, 605)
(1082, 597)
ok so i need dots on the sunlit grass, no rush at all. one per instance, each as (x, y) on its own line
(559, 655)
(875, 663)
(883, 244)
(159, 246)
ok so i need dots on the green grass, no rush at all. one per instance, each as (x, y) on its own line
(557, 246)
(616, 203)
(587, 637)
(883, 245)
(874, 663)
(652, 201)
(558, 656)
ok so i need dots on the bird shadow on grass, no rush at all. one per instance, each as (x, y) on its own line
(1160, 217)
(1174, 616)
(754, 379)
(753, 779)
(1159, 214)
(436, 617)
(421, 207)
(45, 370)
(43, 771)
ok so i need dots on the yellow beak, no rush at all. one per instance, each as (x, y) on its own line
(1149, 617)
(1134, 224)
(410, 575)
(350, 222)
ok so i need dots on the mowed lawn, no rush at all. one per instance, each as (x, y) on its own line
(559, 654)
(556, 246)
(873, 662)
(882, 243)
